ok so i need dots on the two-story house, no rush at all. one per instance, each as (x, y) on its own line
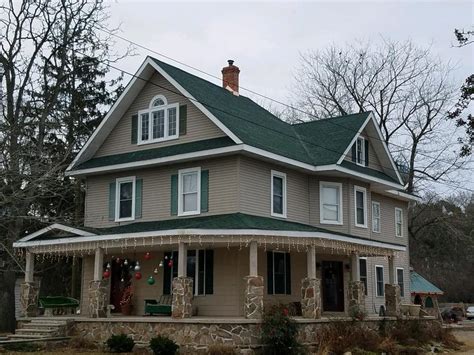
(197, 192)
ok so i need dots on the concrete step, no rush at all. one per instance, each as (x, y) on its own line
(48, 321)
(27, 336)
(42, 326)
(35, 331)
(30, 340)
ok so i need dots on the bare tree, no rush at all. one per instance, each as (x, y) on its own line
(407, 89)
(53, 58)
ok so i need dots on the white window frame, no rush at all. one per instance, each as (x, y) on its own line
(197, 280)
(118, 182)
(150, 111)
(366, 284)
(338, 185)
(182, 172)
(283, 177)
(364, 191)
(273, 273)
(396, 276)
(383, 281)
(397, 209)
(379, 217)
(362, 160)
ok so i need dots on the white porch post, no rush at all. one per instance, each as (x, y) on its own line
(182, 287)
(253, 293)
(356, 288)
(392, 291)
(29, 267)
(98, 264)
(29, 290)
(310, 288)
(253, 259)
(355, 267)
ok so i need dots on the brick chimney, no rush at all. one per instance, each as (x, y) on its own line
(230, 77)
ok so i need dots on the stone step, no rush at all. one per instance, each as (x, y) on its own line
(27, 336)
(35, 331)
(42, 326)
(48, 321)
(30, 340)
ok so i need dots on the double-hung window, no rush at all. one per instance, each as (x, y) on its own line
(398, 222)
(400, 281)
(360, 200)
(379, 283)
(278, 273)
(278, 198)
(363, 272)
(360, 151)
(125, 199)
(159, 122)
(376, 217)
(330, 197)
(189, 192)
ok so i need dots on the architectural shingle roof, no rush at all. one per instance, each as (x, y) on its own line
(418, 284)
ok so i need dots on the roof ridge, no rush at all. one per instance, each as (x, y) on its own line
(331, 118)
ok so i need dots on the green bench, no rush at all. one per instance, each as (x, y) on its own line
(162, 306)
(56, 305)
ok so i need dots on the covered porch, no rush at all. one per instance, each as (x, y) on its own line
(213, 273)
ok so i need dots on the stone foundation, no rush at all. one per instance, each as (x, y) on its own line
(253, 297)
(98, 292)
(392, 300)
(357, 295)
(29, 292)
(182, 306)
(311, 298)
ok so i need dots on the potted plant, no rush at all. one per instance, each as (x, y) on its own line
(126, 301)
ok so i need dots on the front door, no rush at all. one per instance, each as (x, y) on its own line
(333, 286)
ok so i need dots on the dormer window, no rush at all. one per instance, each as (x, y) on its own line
(159, 122)
(360, 151)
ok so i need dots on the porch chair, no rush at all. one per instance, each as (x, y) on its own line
(162, 306)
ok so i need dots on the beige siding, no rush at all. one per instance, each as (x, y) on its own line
(374, 161)
(387, 219)
(156, 203)
(87, 277)
(255, 190)
(198, 126)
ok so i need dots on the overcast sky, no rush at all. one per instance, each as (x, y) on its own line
(266, 38)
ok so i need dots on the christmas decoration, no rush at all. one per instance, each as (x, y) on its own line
(147, 256)
(106, 274)
(150, 281)
(125, 262)
(170, 264)
(108, 266)
(161, 263)
(137, 266)
(117, 260)
(155, 271)
(138, 275)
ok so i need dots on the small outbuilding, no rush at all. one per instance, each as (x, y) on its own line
(424, 293)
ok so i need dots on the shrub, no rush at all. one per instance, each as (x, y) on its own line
(220, 350)
(162, 345)
(121, 343)
(279, 332)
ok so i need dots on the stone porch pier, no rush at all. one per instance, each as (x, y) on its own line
(311, 288)
(29, 290)
(182, 288)
(356, 287)
(392, 291)
(253, 293)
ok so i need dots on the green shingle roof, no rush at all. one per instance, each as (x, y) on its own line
(418, 284)
(232, 221)
(367, 171)
(155, 153)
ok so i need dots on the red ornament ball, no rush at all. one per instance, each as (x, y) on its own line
(106, 274)
(170, 264)
(138, 275)
(147, 256)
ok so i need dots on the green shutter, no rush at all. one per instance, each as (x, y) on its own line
(183, 119)
(204, 190)
(270, 272)
(366, 152)
(174, 194)
(288, 274)
(209, 272)
(112, 201)
(138, 198)
(134, 129)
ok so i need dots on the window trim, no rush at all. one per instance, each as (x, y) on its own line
(196, 272)
(380, 217)
(182, 172)
(402, 294)
(401, 222)
(362, 162)
(150, 111)
(338, 185)
(118, 182)
(376, 283)
(366, 283)
(273, 273)
(281, 175)
(364, 191)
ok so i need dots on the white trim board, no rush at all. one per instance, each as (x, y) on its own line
(56, 226)
(212, 232)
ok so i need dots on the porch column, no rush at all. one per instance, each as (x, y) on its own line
(29, 290)
(356, 289)
(392, 291)
(98, 288)
(253, 293)
(311, 288)
(182, 287)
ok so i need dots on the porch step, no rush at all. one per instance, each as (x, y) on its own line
(27, 336)
(30, 340)
(48, 321)
(35, 331)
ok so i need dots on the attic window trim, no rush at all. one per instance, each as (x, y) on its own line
(360, 158)
(165, 108)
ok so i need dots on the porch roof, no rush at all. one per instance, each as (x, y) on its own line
(225, 225)
(418, 284)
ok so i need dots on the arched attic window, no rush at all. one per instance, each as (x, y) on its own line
(159, 122)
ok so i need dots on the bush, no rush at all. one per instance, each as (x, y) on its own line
(221, 350)
(162, 345)
(121, 343)
(279, 332)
